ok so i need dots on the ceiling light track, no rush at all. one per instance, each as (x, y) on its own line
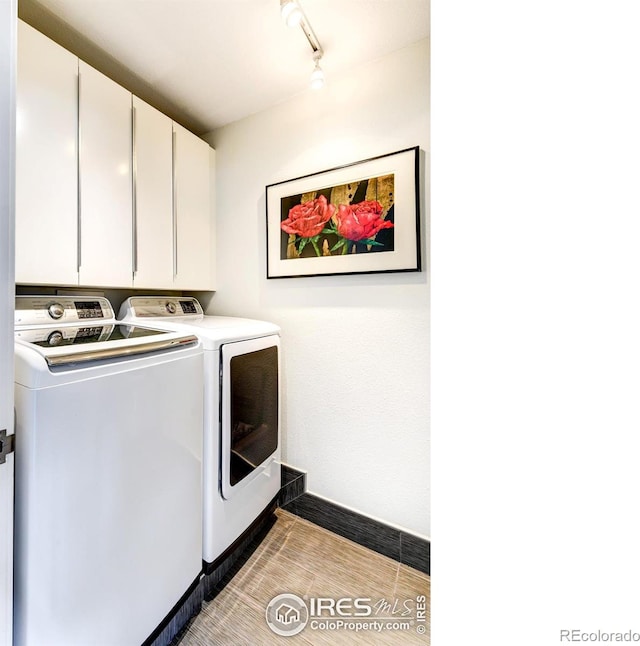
(293, 15)
(311, 36)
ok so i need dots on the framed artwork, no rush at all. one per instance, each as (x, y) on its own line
(359, 218)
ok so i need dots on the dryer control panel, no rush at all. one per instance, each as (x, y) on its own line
(175, 307)
(46, 310)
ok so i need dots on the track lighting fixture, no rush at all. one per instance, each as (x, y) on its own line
(317, 76)
(293, 15)
(291, 12)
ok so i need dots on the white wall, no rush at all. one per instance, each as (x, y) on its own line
(355, 348)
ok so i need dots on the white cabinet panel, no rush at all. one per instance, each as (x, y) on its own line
(212, 217)
(46, 161)
(192, 211)
(105, 181)
(153, 194)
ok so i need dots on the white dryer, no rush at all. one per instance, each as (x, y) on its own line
(241, 440)
(108, 474)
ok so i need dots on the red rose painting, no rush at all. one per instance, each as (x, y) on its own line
(339, 220)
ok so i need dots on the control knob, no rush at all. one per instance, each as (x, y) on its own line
(55, 338)
(56, 311)
(170, 307)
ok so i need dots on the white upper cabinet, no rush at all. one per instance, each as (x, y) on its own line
(110, 192)
(192, 215)
(106, 224)
(46, 161)
(152, 197)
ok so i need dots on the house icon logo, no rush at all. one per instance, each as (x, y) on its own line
(287, 614)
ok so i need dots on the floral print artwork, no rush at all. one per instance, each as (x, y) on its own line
(351, 218)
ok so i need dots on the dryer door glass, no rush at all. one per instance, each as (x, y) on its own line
(254, 410)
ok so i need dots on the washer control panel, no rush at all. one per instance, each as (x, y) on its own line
(45, 310)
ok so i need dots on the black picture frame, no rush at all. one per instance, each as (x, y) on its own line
(362, 217)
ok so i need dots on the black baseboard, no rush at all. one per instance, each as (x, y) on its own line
(389, 541)
(218, 573)
(293, 484)
(188, 606)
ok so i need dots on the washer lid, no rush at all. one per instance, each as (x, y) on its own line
(72, 345)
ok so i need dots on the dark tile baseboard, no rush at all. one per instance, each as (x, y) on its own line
(293, 484)
(217, 574)
(180, 615)
(394, 543)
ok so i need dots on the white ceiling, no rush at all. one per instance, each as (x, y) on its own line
(217, 61)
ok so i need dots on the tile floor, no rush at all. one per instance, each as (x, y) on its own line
(301, 558)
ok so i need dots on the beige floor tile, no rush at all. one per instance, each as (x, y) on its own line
(276, 541)
(411, 583)
(339, 559)
(300, 558)
(276, 575)
(231, 620)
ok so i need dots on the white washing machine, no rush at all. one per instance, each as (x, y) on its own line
(241, 413)
(108, 474)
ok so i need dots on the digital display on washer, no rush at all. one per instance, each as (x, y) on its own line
(89, 309)
(188, 307)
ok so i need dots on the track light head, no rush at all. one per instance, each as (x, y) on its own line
(317, 76)
(291, 12)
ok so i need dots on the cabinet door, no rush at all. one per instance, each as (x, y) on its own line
(192, 225)
(46, 161)
(152, 198)
(106, 225)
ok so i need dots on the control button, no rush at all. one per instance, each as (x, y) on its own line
(170, 307)
(55, 338)
(56, 311)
